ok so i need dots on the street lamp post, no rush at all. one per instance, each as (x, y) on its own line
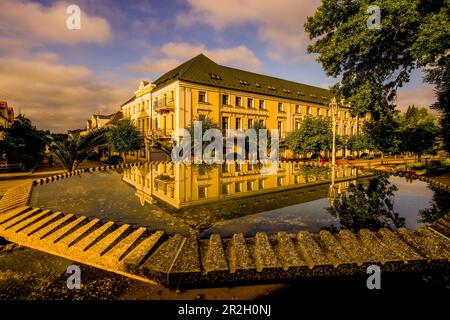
(333, 110)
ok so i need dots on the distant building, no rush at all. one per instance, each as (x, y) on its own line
(6, 115)
(98, 121)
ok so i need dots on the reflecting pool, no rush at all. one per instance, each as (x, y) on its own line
(231, 198)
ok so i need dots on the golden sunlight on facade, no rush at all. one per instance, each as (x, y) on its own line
(233, 98)
(6, 115)
(182, 186)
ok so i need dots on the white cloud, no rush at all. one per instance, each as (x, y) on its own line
(57, 96)
(279, 24)
(173, 53)
(35, 24)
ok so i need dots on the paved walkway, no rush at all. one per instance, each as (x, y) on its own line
(5, 184)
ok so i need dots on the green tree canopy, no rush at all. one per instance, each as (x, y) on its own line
(73, 149)
(125, 137)
(383, 134)
(370, 206)
(418, 131)
(313, 136)
(373, 63)
(22, 142)
(358, 142)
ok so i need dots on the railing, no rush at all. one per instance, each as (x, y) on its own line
(160, 133)
(164, 104)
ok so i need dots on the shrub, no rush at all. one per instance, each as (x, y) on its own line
(93, 156)
(114, 160)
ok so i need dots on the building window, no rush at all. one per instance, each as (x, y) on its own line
(298, 109)
(237, 187)
(201, 170)
(280, 107)
(225, 188)
(280, 127)
(172, 125)
(250, 123)
(262, 104)
(202, 97)
(225, 99)
(261, 184)
(225, 123)
(238, 123)
(171, 96)
(237, 167)
(346, 115)
(201, 117)
(249, 185)
(261, 122)
(297, 124)
(202, 192)
(249, 103)
(225, 168)
(280, 181)
(308, 110)
(238, 101)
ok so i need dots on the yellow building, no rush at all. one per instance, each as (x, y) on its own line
(6, 115)
(182, 186)
(234, 98)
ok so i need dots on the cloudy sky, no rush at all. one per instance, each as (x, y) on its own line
(59, 77)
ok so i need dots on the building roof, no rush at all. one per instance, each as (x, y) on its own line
(203, 70)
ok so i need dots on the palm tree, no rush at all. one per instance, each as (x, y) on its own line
(72, 149)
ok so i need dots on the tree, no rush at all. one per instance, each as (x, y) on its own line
(439, 74)
(417, 131)
(313, 136)
(383, 134)
(370, 206)
(374, 63)
(22, 142)
(357, 143)
(125, 137)
(73, 148)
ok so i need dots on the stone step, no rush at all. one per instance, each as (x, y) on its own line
(141, 252)
(28, 231)
(4, 217)
(263, 253)
(382, 253)
(108, 242)
(77, 234)
(287, 254)
(334, 251)
(52, 227)
(215, 259)
(398, 246)
(310, 250)
(360, 254)
(92, 236)
(123, 247)
(238, 255)
(19, 218)
(29, 221)
(59, 233)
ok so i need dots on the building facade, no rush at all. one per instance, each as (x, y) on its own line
(233, 98)
(6, 115)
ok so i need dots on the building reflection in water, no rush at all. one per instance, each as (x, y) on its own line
(203, 195)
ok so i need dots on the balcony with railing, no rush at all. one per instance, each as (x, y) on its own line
(163, 105)
(160, 133)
